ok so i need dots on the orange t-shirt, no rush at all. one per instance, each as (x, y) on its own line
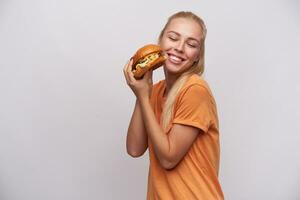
(196, 175)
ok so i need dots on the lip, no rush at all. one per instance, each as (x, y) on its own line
(178, 56)
(177, 60)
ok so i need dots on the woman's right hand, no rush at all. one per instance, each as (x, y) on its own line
(140, 87)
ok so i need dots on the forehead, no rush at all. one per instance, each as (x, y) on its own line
(185, 27)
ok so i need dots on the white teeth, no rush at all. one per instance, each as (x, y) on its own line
(175, 58)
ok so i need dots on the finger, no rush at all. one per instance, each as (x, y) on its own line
(151, 73)
(129, 65)
(128, 72)
(131, 76)
(125, 72)
(126, 66)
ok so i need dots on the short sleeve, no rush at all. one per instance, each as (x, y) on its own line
(193, 108)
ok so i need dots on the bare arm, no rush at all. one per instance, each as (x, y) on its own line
(169, 148)
(137, 139)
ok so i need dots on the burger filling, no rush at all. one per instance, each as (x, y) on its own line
(146, 60)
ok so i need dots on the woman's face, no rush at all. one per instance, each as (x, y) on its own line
(181, 42)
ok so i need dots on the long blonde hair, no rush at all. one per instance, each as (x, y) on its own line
(196, 68)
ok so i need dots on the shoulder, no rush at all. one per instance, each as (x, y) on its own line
(158, 84)
(195, 84)
(157, 88)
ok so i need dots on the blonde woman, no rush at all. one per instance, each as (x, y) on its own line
(176, 118)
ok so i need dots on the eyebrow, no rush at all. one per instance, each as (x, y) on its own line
(190, 38)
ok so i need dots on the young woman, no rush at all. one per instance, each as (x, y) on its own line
(176, 118)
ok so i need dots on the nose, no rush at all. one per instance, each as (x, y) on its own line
(179, 46)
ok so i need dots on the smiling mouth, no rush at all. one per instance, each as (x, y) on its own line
(175, 59)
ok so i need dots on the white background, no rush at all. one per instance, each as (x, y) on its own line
(65, 107)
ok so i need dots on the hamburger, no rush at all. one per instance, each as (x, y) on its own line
(147, 57)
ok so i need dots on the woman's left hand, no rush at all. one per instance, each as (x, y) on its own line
(141, 87)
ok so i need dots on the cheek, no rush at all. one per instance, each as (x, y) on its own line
(164, 45)
(193, 54)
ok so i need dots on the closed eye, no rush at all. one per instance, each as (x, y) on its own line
(173, 38)
(192, 45)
